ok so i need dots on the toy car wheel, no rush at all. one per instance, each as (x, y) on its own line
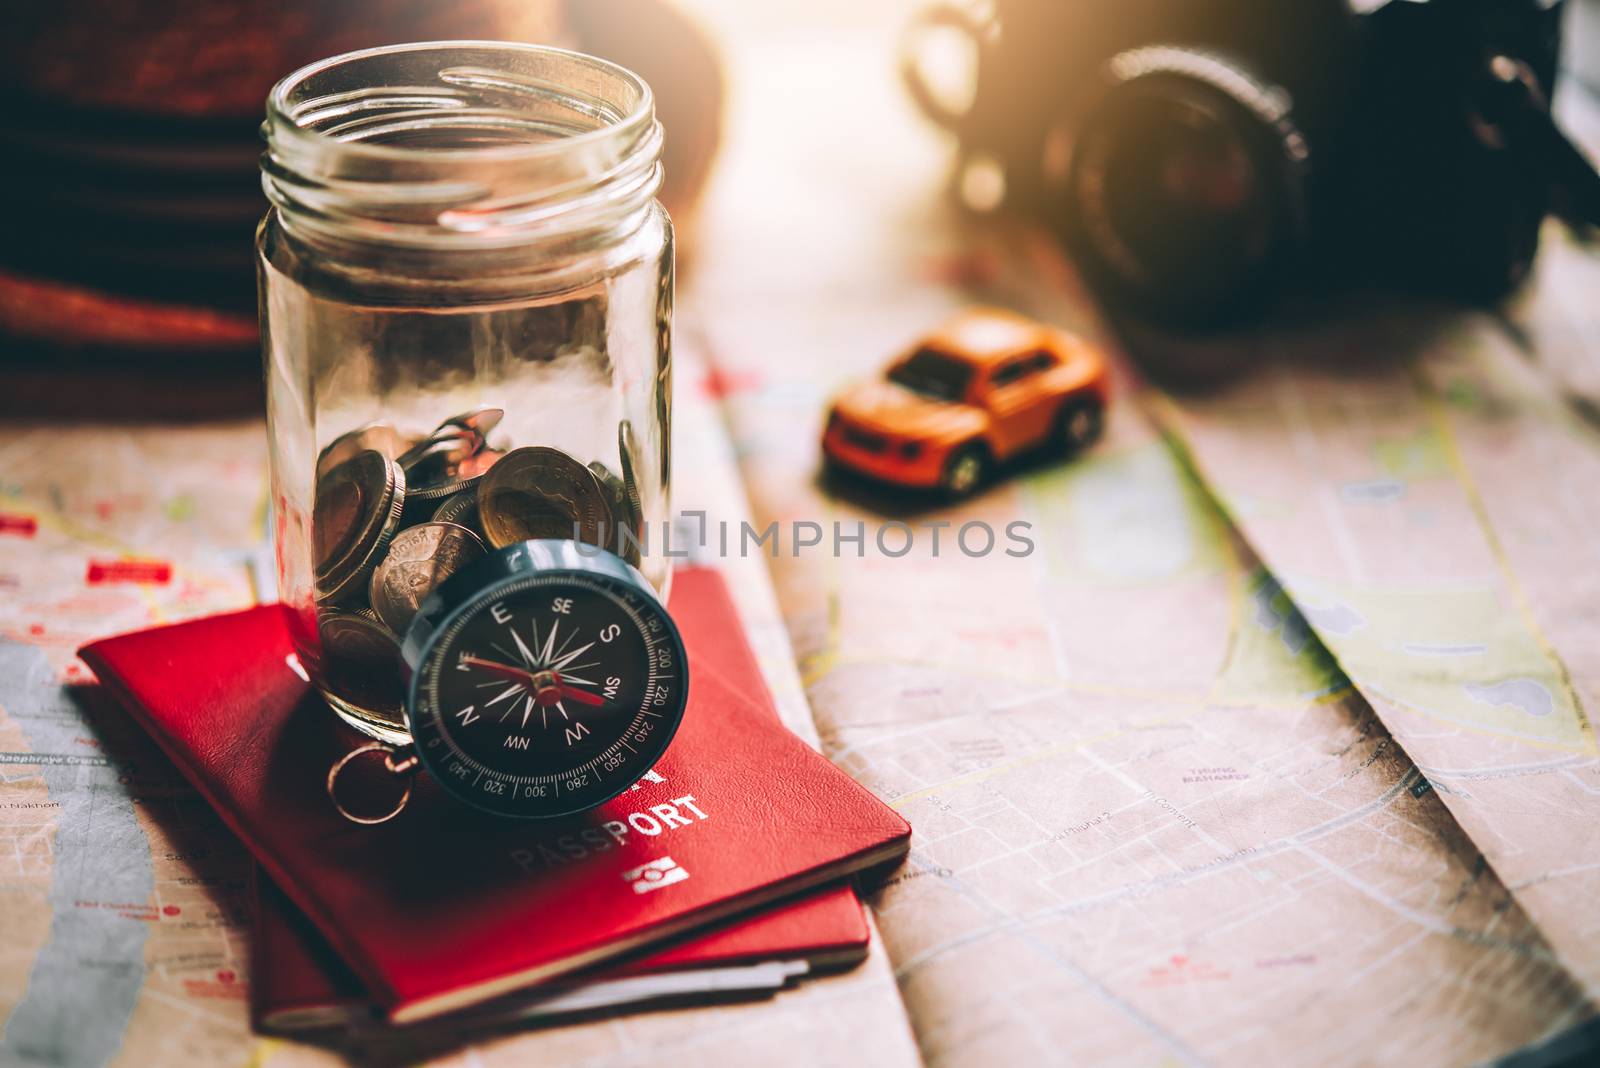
(966, 471)
(1079, 424)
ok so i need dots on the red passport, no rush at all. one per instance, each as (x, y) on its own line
(298, 983)
(445, 907)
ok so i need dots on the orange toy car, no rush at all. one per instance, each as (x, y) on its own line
(987, 386)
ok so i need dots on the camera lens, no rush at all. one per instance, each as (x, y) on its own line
(1183, 187)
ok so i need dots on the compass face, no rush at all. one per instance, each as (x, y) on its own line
(547, 692)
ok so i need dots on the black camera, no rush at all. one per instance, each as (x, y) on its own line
(1199, 155)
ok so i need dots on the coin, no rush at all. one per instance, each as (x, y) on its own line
(419, 558)
(624, 545)
(455, 439)
(479, 463)
(616, 492)
(356, 512)
(442, 448)
(629, 482)
(380, 437)
(361, 663)
(462, 510)
(433, 481)
(479, 421)
(345, 499)
(540, 492)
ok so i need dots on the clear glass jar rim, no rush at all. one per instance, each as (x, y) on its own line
(583, 159)
(282, 125)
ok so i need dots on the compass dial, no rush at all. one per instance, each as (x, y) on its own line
(545, 680)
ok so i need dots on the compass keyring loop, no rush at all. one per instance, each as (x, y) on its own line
(406, 767)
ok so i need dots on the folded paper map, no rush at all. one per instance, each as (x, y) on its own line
(1274, 748)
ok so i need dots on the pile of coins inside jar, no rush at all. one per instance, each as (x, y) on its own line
(395, 516)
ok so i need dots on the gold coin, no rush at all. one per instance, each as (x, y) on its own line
(356, 512)
(418, 560)
(540, 492)
(361, 663)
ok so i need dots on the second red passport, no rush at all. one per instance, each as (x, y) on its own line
(444, 907)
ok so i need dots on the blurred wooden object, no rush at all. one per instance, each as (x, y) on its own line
(133, 193)
(209, 59)
(681, 65)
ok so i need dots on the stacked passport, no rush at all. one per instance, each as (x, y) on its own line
(725, 870)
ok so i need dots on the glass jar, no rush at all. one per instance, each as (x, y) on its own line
(466, 303)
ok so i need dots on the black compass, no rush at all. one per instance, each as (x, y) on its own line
(546, 679)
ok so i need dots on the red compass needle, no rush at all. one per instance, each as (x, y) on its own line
(549, 686)
(521, 674)
(583, 697)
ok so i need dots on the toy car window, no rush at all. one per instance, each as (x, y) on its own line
(1010, 372)
(932, 373)
(1022, 367)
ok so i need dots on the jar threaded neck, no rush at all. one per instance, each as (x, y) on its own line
(460, 144)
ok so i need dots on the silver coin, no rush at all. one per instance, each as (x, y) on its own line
(379, 437)
(455, 439)
(360, 662)
(434, 481)
(630, 483)
(479, 422)
(462, 510)
(355, 513)
(418, 560)
(622, 535)
(440, 450)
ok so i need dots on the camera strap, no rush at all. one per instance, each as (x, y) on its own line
(1513, 108)
(1576, 182)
